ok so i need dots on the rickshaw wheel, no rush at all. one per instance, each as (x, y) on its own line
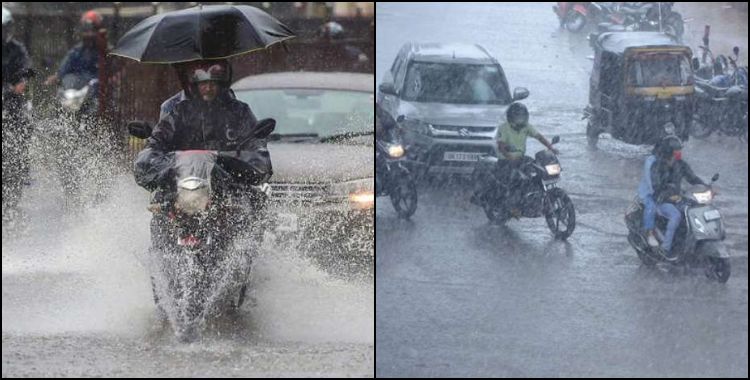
(592, 135)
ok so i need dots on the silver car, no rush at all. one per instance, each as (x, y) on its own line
(449, 100)
(322, 152)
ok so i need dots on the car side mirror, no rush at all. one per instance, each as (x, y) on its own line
(715, 177)
(139, 129)
(555, 139)
(696, 63)
(387, 88)
(401, 118)
(520, 93)
(264, 128)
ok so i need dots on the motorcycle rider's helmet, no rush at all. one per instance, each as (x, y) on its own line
(331, 30)
(517, 115)
(90, 24)
(7, 25)
(669, 146)
(211, 71)
(91, 21)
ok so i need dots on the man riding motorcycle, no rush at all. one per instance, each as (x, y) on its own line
(184, 70)
(511, 144)
(16, 123)
(83, 58)
(667, 173)
(211, 120)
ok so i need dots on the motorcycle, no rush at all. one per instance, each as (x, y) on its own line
(697, 241)
(17, 130)
(200, 269)
(658, 17)
(572, 16)
(531, 192)
(721, 109)
(79, 144)
(394, 179)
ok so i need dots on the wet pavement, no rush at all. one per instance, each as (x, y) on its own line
(458, 296)
(77, 302)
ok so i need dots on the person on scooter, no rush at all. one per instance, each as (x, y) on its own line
(667, 174)
(511, 144)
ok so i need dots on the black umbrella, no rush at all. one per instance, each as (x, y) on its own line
(202, 32)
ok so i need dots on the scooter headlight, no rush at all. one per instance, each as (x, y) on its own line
(553, 169)
(703, 197)
(396, 151)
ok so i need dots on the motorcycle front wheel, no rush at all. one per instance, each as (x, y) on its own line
(560, 214)
(575, 21)
(718, 269)
(700, 129)
(404, 198)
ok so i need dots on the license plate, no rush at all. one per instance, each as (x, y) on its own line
(286, 222)
(460, 156)
(711, 215)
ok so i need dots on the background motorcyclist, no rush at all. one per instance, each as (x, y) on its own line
(83, 58)
(511, 144)
(15, 58)
(386, 128)
(667, 174)
(16, 123)
(330, 33)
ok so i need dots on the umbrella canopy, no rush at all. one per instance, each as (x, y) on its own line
(202, 32)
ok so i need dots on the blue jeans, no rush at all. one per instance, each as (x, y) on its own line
(671, 212)
(649, 213)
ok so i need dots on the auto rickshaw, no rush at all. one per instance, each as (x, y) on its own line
(641, 88)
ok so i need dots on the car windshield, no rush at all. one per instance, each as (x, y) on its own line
(313, 113)
(455, 83)
(660, 70)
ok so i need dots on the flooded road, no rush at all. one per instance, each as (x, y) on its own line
(77, 302)
(459, 296)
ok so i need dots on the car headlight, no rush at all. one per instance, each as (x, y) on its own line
(360, 194)
(703, 197)
(553, 169)
(396, 151)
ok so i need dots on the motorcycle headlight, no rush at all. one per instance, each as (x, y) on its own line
(192, 196)
(553, 169)
(703, 197)
(360, 194)
(73, 99)
(396, 151)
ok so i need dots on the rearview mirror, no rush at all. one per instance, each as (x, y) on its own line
(520, 93)
(264, 128)
(387, 88)
(715, 177)
(139, 129)
(400, 118)
(696, 63)
(555, 139)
